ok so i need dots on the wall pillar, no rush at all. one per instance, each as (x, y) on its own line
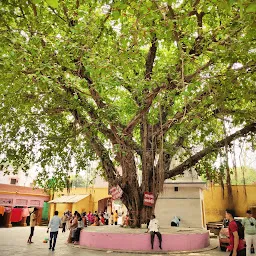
(7, 219)
(23, 222)
(39, 216)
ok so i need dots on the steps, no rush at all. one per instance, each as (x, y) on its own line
(44, 223)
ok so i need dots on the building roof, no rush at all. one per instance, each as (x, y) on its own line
(68, 199)
(10, 189)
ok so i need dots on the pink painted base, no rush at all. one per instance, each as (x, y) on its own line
(141, 241)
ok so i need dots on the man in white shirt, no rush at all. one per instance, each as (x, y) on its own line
(153, 229)
(54, 225)
(249, 224)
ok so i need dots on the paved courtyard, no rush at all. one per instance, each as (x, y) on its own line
(13, 242)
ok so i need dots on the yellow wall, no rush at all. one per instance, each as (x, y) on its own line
(84, 205)
(215, 204)
(96, 195)
(88, 204)
(61, 208)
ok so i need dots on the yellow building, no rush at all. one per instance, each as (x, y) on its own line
(81, 200)
(216, 201)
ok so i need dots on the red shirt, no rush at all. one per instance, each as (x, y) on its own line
(232, 227)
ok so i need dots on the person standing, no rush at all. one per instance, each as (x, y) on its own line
(73, 227)
(115, 217)
(54, 225)
(106, 217)
(249, 224)
(63, 221)
(236, 246)
(80, 226)
(111, 218)
(153, 229)
(33, 217)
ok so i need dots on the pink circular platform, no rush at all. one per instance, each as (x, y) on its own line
(126, 239)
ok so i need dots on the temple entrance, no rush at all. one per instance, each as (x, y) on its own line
(105, 204)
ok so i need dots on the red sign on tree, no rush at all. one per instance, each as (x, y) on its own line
(149, 199)
(116, 192)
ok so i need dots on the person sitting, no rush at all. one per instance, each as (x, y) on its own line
(175, 221)
(127, 219)
(96, 222)
(153, 229)
(102, 219)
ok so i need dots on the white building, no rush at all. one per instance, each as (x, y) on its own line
(183, 198)
(19, 179)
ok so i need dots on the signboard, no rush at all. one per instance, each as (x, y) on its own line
(116, 192)
(5, 201)
(21, 202)
(35, 202)
(149, 199)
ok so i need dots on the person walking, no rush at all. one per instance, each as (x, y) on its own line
(236, 246)
(54, 225)
(33, 217)
(115, 217)
(249, 224)
(153, 229)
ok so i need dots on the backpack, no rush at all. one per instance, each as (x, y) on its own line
(240, 229)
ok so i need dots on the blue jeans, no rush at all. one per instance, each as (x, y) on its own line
(53, 235)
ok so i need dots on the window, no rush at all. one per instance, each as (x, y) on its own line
(176, 189)
(13, 181)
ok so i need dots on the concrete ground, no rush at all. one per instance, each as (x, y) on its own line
(13, 242)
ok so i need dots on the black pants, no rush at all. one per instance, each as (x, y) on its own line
(32, 229)
(53, 235)
(77, 234)
(64, 227)
(115, 222)
(239, 253)
(153, 238)
(174, 224)
(106, 221)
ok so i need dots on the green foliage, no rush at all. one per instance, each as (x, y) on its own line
(52, 53)
(243, 175)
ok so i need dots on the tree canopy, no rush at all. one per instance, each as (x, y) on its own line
(134, 84)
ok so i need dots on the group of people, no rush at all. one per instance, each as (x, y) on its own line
(240, 231)
(94, 219)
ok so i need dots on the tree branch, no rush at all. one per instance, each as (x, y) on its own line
(189, 78)
(82, 73)
(147, 104)
(198, 156)
(108, 166)
(179, 115)
(151, 58)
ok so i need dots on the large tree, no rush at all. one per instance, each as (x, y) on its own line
(135, 84)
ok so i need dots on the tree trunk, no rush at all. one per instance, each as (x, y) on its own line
(133, 193)
(139, 213)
